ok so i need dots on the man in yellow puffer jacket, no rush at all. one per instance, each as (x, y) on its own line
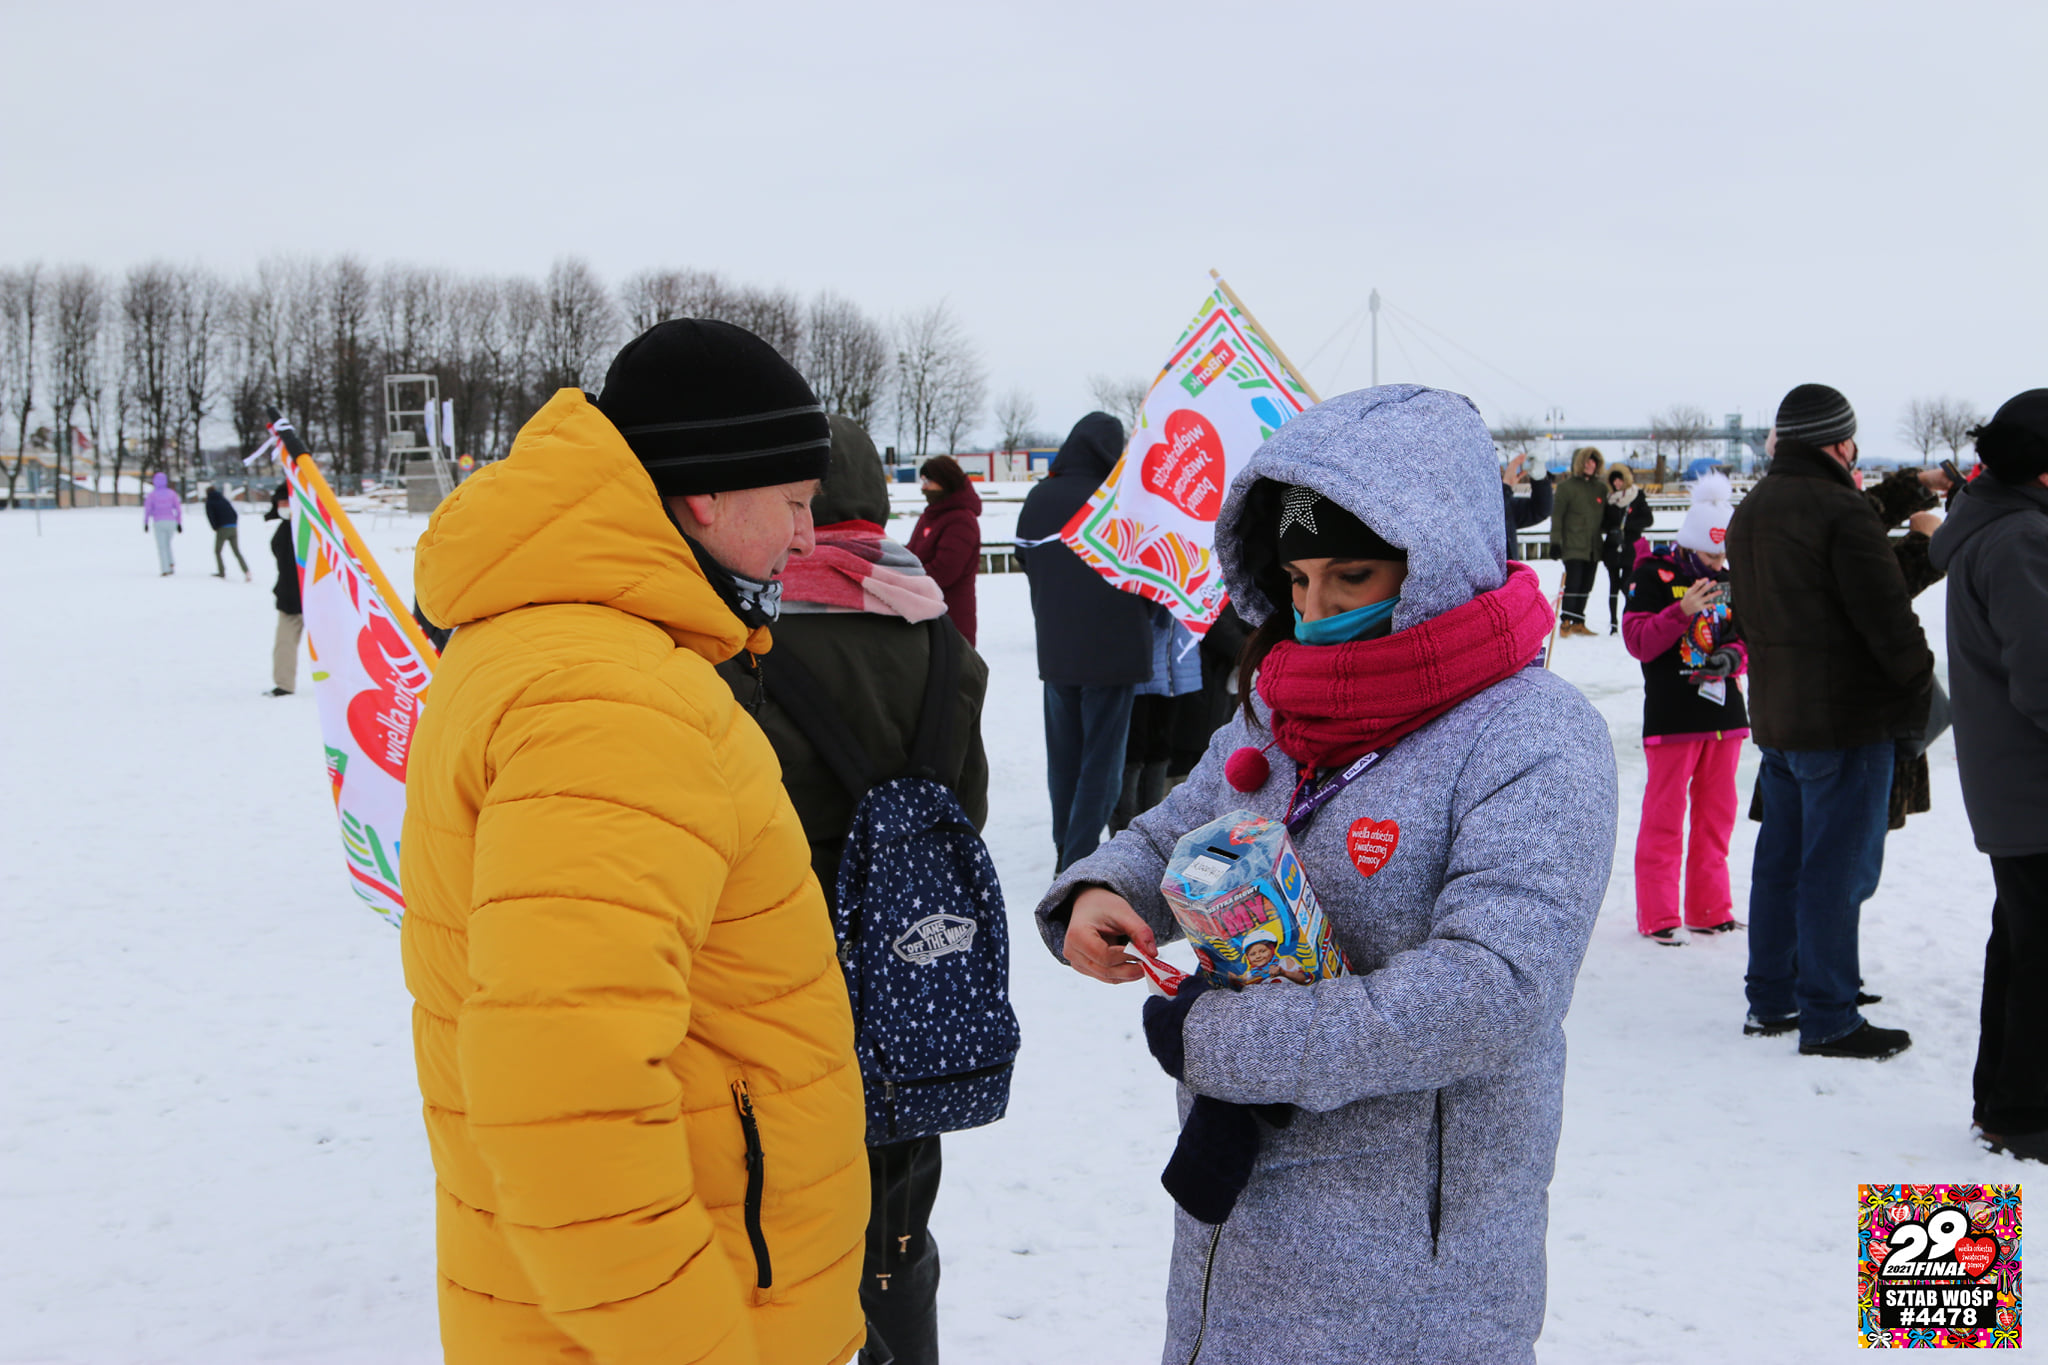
(633, 1038)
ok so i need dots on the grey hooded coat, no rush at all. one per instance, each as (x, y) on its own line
(1401, 1216)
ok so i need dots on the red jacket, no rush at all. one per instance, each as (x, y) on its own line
(947, 542)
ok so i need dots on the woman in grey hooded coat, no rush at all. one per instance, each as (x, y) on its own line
(1397, 1209)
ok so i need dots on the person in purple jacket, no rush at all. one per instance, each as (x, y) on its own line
(163, 510)
(1677, 626)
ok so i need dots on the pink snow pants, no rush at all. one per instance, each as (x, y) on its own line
(1705, 769)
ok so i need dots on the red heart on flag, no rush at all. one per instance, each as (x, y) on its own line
(382, 718)
(1976, 1253)
(1187, 467)
(1371, 843)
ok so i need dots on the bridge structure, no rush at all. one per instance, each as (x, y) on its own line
(1733, 435)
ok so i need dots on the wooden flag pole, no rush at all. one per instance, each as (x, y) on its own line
(1264, 335)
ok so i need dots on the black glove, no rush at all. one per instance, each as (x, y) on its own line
(1212, 1162)
(181, 528)
(1219, 1143)
(1164, 1020)
(1722, 663)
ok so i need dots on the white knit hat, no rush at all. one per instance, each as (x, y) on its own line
(1706, 522)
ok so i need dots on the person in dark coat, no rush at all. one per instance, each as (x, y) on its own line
(1522, 513)
(221, 516)
(1575, 534)
(947, 540)
(1094, 643)
(1840, 673)
(291, 626)
(875, 658)
(1994, 548)
(1623, 521)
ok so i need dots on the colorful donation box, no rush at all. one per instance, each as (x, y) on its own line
(1239, 894)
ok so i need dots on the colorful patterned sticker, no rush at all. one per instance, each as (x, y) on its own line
(1938, 1266)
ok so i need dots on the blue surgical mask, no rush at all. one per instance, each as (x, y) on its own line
(1348, 626)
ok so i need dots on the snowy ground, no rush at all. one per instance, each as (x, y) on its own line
(210, 1148)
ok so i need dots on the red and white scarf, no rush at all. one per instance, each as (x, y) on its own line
(855, 567)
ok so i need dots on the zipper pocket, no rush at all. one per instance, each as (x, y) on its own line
(757, 1180)
(890, 1085)
(1208, 1271)
(1436, 1192)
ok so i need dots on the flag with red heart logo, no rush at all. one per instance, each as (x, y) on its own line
(371, 667)
(1151, 527)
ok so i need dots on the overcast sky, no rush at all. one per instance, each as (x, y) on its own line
(1622, 206)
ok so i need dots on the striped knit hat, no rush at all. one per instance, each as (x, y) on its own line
(709, 407)
(1817, 415)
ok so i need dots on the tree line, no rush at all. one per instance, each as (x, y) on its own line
(129, 372)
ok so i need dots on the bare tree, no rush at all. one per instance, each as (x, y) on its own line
(21, 306)
(1921, 426)
(78, 308)
(1678, 430)
(1518, 434)
(577, 329)
(149, 306)
(649, 297)
(965, 394)
(200, 303)
(1016, 414)
(846, 358)
(774, 315)
(939, 381)
(1958, 417)
(352, 378)
(1122, 399)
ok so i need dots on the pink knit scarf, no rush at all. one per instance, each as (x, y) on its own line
(1332, 703)
(847, 572)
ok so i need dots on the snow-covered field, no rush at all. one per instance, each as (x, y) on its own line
(210, 1149)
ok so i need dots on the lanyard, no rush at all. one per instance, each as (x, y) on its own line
(1300, 809)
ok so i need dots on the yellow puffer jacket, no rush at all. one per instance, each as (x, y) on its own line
(622, 963)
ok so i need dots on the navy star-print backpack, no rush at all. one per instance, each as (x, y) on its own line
(918, 915)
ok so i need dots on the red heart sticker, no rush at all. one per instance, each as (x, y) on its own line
(1187, 467)
(1371, 843)
(1976, 1253)
(1666, 574)
(382, 718)
(1717, 534)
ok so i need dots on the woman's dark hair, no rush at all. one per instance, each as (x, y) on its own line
(945, 471)
(1277, 627)
(1259, 539)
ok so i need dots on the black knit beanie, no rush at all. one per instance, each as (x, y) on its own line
(709, 407)
(1817, 415)
(2014, 444)
(1313, 527)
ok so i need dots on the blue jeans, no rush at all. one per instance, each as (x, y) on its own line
(1085, 732)
(1818, 858)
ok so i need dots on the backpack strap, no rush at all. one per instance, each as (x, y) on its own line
(811, 709)
(935, 722)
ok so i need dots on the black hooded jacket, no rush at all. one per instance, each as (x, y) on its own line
(1089, 633)
(220, 513)
(1994, 548)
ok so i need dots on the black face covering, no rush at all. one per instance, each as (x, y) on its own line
(934, 496)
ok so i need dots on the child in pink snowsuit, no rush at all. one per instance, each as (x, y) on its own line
(1677, 625)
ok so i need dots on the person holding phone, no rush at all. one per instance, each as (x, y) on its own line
(1678, 627)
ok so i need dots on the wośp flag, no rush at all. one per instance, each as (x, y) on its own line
(371, 667)
(1151, 527)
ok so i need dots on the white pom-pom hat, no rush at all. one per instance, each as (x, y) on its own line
(1705, 530)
